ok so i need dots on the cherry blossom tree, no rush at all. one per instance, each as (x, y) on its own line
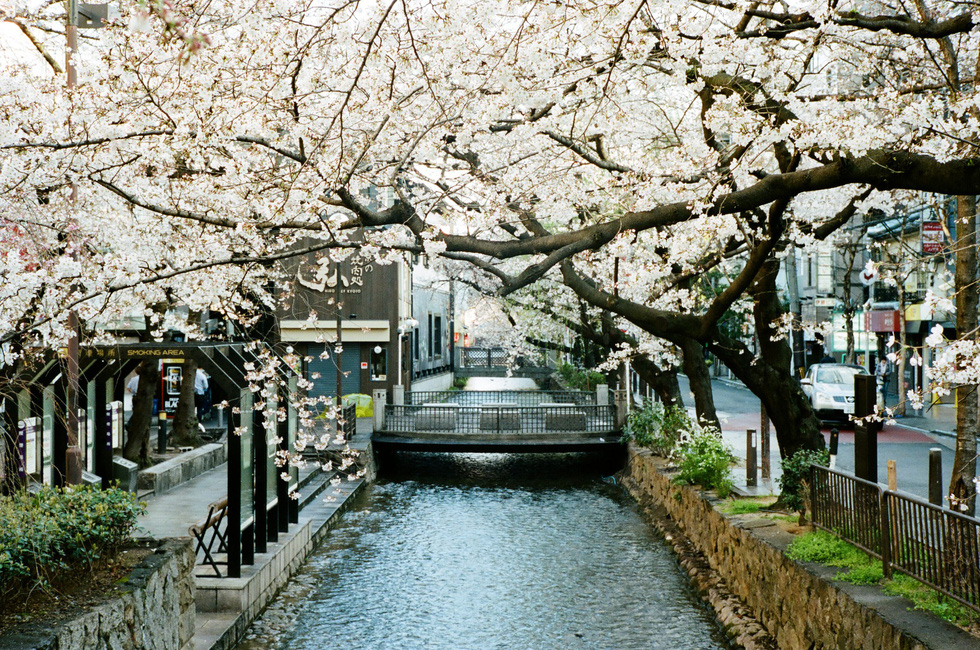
(619, 148)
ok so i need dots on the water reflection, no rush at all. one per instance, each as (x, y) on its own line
(490, 551)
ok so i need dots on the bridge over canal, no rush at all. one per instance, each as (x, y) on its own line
(496, 362)
(500, 421)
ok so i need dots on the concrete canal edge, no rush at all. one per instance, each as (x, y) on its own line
(761, 597)
(226, 607)
(154, 612)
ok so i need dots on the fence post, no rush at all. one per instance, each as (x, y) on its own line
(620, 397)
(602, 394)
(886, 545)
(398, 395)
(936, 476)
(751, 478)
(380, 399)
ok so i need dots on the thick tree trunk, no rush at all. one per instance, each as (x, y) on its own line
(663, 382)
(700, 380)
(185, 432)
(962, 489)
(138, 429)
(769, 377)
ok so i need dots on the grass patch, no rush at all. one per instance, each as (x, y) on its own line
(823, 547)
(744, 506)
(928, 599)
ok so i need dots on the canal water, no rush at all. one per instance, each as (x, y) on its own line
(463, 551)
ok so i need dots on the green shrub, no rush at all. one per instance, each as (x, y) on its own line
(796, 475)
(47, 535)
(657, 427)
(704, 460)
(578, 379)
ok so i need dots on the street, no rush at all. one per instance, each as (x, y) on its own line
(907, 441)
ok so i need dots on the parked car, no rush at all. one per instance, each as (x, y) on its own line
(830, 387)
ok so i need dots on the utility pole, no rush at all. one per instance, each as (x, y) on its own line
(73, 459)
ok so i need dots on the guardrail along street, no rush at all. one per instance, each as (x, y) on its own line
(934, 545)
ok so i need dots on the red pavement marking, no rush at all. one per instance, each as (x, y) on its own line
(891, 433)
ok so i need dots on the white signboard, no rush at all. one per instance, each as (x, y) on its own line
(30, 448)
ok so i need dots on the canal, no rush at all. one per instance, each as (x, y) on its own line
(489, 551)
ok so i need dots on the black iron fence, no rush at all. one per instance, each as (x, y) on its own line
(511, 398)
(482, 357)
(934, 545)
(499, 418)
(349, 420)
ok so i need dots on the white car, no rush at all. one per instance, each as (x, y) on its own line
(830, 387)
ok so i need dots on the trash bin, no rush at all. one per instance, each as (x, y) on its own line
(88, 478)
(125, 472)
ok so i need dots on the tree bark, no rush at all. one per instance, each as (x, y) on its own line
(700, 380)
(138, 429)
(185, 432)
(962, 489)
(663, 382)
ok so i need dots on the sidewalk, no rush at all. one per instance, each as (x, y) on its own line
(170, 515)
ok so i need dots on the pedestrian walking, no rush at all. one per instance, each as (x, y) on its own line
(883, 374)
(201, 386)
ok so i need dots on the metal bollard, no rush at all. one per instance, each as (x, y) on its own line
(751, 478)
(936, 476)
(834, 441)
(162, 434)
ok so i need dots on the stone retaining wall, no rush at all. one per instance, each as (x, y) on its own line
(798, 607)
(171, 473)
(157, 613)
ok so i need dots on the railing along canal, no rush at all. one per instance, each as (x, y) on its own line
(518, 398)
(491, 418)
(934, 545)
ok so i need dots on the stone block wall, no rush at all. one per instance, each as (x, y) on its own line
(171, 473)
(156, 613)
(797, 607)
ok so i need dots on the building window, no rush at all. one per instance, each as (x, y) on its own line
(416, 345)
(379, 363)
(437, 336)
(432, 344)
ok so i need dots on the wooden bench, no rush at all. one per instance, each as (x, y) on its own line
(208, 531)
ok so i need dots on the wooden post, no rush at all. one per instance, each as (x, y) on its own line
(751, 478)
(892, 476)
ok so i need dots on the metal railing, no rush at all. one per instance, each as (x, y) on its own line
(847, 506)
(934, 545)
(482, 357)
(499, 418)
(513, 397)
(349, 425)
